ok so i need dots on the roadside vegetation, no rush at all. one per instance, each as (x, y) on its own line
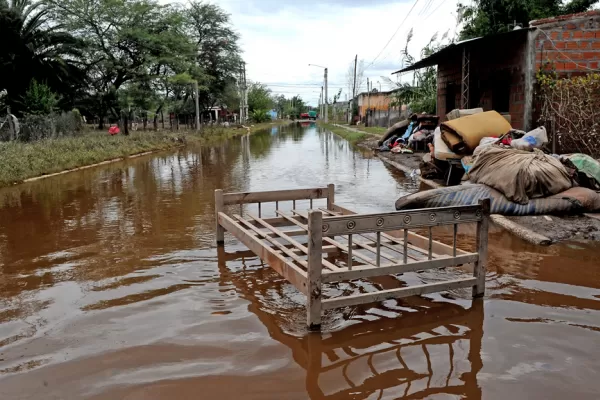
(22, 160)
(350, 135)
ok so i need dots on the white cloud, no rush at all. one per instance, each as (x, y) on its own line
(281, 37)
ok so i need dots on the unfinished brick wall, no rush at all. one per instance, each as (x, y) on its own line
(571, 43)
(502, 59)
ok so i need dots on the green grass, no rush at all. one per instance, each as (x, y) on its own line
(374, 130)
(351, 136)
(20, 161)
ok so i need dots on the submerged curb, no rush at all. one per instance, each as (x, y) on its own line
(66, 171)
(500, 220)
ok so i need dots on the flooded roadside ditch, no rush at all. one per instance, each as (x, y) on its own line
(111, 287)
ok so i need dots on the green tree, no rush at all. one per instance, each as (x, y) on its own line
(259, 97)
(39, 99)
(486, 17)
(216, 44)
(126, 42)
(33, 47)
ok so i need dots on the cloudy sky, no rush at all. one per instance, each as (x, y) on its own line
(281, 37)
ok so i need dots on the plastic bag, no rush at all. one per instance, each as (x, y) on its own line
(534, 139)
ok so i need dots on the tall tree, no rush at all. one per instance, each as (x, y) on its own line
(218, 52)
(259, 97)
(33, 47)
(486, 17)
(126, 40)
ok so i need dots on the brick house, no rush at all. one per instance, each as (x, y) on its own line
(499, 71)
(378, 105)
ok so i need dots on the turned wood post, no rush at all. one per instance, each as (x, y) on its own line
(315, 243)
(330, 196)
(482, 248)
(219, 208)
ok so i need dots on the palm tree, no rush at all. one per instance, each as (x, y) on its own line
(34, 47)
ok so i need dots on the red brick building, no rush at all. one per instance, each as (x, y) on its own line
(498, 72)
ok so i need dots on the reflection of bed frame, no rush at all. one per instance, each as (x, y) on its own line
(361, 238)
(430, 329)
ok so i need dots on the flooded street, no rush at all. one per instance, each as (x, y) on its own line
(111, 288)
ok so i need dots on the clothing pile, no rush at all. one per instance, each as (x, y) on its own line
(410, 134)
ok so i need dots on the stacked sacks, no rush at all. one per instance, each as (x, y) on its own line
(520, 175)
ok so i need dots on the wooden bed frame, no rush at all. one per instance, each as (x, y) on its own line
(334, 231)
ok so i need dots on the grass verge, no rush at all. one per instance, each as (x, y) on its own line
(20, 161)
(355, 134)
(351, 136)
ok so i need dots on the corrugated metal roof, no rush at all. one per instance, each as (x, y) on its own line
(436, 57)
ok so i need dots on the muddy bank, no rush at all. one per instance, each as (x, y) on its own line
(579, 227)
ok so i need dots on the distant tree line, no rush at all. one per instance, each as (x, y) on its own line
(116, 59)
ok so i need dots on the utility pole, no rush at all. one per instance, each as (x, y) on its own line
(321, 105)
(368, 101)
(197, 106)
(326, 100)
(243, 94)
(353, 91)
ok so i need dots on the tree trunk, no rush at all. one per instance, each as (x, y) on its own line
(126, 124)
(176, 121)
(162, 119)
(145, 120)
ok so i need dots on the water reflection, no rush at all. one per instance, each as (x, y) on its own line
(430, 348)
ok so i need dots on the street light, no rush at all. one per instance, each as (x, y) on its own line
(379, 86)
(325, 102)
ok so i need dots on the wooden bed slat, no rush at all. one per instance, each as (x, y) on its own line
(292, 273)
(298, 245)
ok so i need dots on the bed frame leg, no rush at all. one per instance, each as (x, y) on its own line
(219, 208)
(330, 196)
(482, 249)
(315, 243)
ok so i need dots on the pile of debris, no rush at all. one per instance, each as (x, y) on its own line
(511, 167)
(410, 134)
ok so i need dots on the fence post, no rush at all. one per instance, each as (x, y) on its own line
(315, 243)
(482, 248)
(219, 208)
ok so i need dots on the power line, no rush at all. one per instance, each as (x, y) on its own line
(426, 7)
(394, 35)
(433, 12)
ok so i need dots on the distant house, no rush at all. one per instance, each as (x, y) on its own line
(377, 105)
(499, 71)
(273, 114)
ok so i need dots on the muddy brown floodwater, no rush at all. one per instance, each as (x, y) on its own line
(111, 288)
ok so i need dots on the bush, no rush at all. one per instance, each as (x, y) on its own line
(260, 116)
(39, 99)
(571, 106)
(37, 127)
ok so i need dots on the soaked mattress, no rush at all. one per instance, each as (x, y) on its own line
(572, 201)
